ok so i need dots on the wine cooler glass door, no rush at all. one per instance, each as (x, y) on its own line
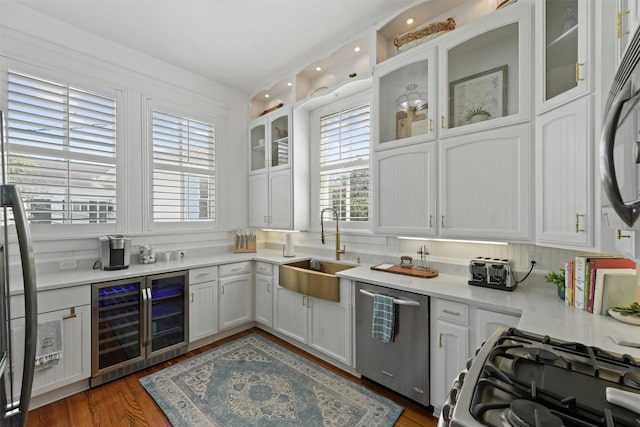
(168, 313)
(118, 328)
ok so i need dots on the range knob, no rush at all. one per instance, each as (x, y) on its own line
(447, 410)
(453, 395)
(462, 376)
(469, 362)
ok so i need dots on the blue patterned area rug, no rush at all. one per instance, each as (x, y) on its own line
(255, 382)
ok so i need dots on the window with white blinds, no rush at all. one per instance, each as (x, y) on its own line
(344, 162)
(62, 151)
(183, 169)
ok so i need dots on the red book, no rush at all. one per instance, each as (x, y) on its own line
(597, 263)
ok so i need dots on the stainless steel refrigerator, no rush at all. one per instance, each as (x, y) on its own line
(14, 401)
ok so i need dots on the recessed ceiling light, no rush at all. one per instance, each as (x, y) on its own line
(357, 49)
(266, 95)
(318, 68)
(289, 84)
(410, 21)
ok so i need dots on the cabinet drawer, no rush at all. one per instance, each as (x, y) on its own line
(57, 299)
(452, 311)
(235, 268)
(204, 274)
(264, 268)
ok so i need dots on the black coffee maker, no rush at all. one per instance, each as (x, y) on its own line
(115, 252)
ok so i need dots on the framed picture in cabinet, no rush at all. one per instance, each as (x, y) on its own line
(478, 97)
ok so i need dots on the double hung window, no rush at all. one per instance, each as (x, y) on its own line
(61, 151)
(344, 163)
(184, 175)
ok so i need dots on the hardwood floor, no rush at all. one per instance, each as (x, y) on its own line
(125, 403)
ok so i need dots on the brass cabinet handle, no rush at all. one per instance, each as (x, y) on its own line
(578, 229)
(72, 314)
(221, 290)
(623, 236)
(578, 65)
(442, 221)
(430, 221)
(440, 340)
(430, 125)
(268, 287)
(442, 121)
(619, 16)
(453, 313)
(304, 300)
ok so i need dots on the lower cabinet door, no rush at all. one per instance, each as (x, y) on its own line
(74, 363)
(264, 300)
(203, 310)
(291, 315)
(235, 301)
(450, 351)
(328, 328)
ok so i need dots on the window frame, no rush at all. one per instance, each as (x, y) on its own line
(182, 111)
(82, 83)
(315, 170)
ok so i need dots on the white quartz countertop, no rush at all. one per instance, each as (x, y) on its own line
(541, 310)
(66, 278)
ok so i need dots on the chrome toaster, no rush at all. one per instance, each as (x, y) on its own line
(492, 273)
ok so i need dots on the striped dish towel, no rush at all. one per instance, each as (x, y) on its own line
(383, 323)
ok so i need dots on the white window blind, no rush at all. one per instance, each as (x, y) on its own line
(62, 151)
(183, 169)
(344, 162)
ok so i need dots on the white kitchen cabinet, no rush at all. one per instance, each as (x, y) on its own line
(627, 19)
(406, 190)
(564, 51)
(264, 293)
(413, 77)
(626, 242)
(203, 302)
(564, 176)
(449, 346)
(321, 324)
(274, 183)
(487, 322)
(486, 184)
(72, 306)
(290, 315)
(271, 199)
(330, 326)
(485, 72)
(457, 329)
(235, 295)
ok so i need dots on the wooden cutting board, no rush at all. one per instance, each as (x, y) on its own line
(407, 271)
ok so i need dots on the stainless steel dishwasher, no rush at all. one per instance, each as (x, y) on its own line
(403, 364)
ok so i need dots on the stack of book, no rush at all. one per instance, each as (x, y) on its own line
(596, 283)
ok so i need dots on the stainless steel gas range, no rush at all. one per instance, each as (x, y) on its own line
(523, 379)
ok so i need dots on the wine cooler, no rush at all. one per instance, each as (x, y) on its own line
(136, 323)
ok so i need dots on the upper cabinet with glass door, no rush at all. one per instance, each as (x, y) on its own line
(258, 142)
(627, 19)
(485, 72)
(563, 52)
(405, 99)
(270, 141)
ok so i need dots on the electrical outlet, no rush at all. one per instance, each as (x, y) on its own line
(68, 264)
(533, 258)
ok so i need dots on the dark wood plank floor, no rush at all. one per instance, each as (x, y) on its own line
(125, 403)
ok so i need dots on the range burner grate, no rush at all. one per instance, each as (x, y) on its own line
(568, 380)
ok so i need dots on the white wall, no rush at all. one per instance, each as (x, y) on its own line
(30, 40)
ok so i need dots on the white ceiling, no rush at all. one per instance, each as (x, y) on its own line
(244, 44)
